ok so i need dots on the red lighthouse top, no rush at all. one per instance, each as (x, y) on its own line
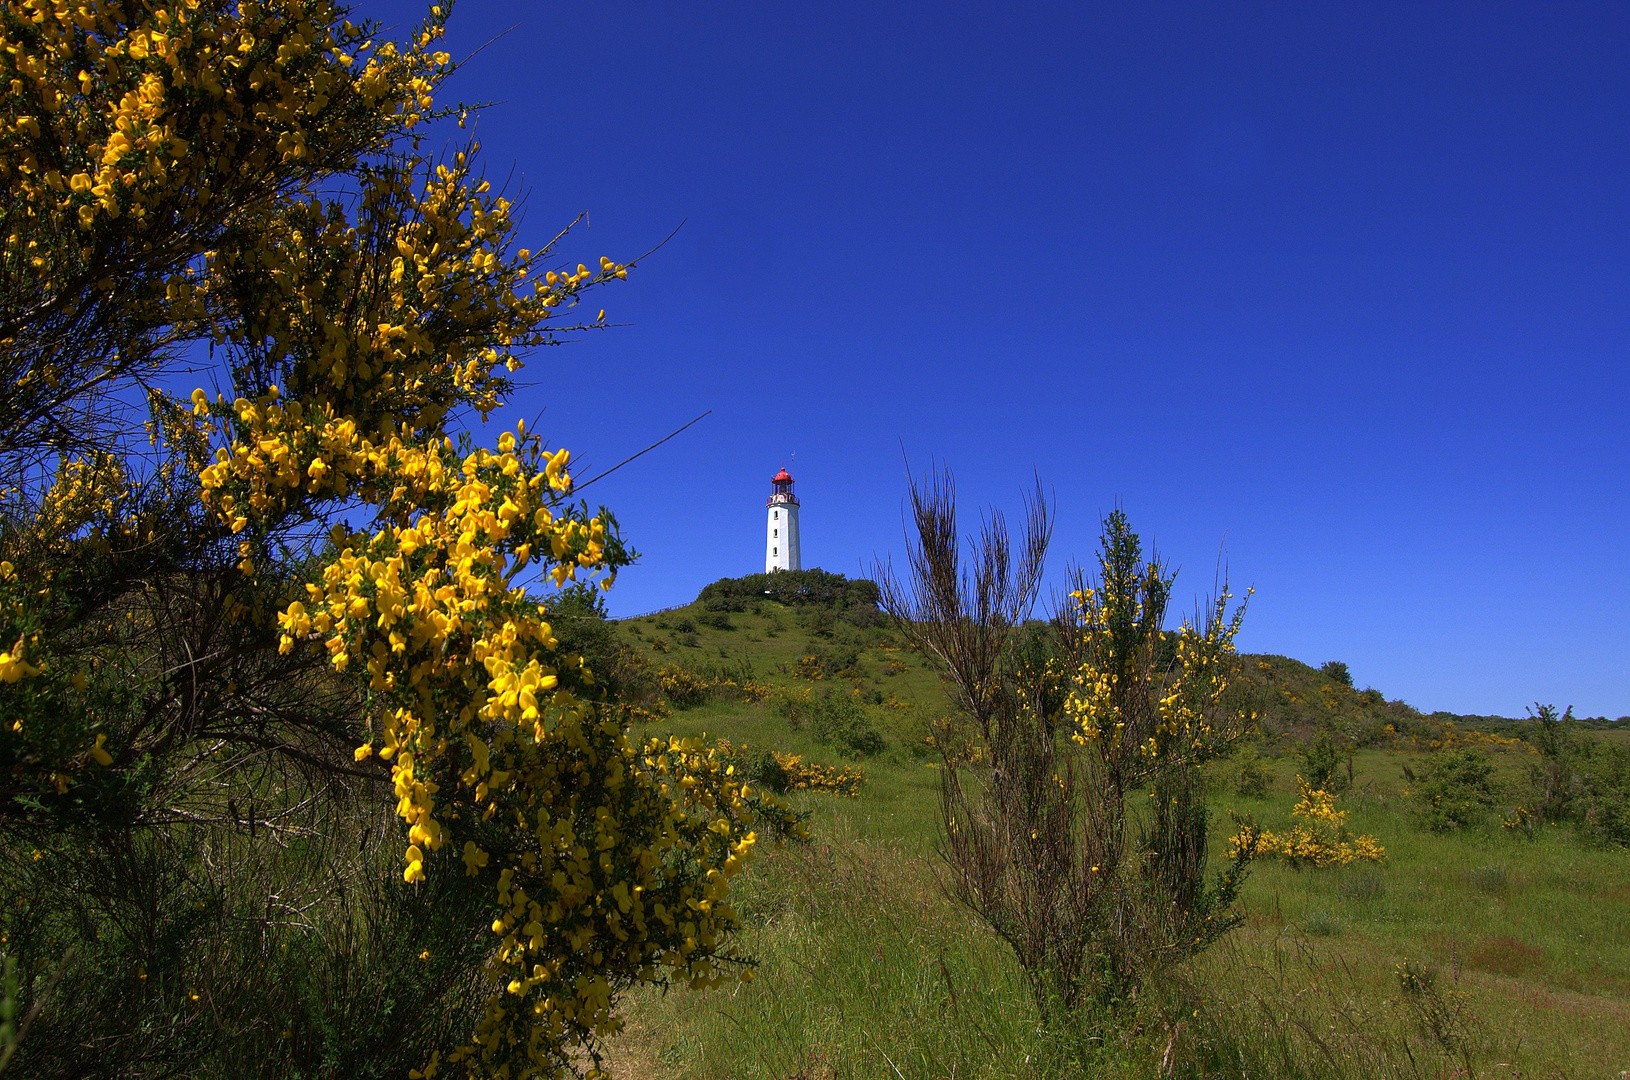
(781, 488)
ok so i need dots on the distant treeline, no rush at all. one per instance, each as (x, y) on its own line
(795, 588)
(1290, 696)
(1593, 723)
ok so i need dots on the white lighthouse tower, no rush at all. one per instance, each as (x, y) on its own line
(781, 548)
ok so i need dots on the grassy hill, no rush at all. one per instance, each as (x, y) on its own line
(868, 970)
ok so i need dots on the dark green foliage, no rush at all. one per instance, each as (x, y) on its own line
(577, 616)
(280, 945)
(763, 769)
(719, 620)
(1555, 785)
(863, 615)
(840, 721)
(1458, 791)
(241, 854)
(837, 661)
(1336, 671)
(1251, 779)
(819, 621)
(1607, 810)
(795, 588)
(1323, 764)
(1583, 780)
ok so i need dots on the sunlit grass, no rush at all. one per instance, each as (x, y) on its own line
(867, 970)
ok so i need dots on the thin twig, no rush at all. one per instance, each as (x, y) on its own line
(647, 450)
(39, 1003)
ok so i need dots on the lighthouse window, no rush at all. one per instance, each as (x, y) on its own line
(775, 551)
(775, 532)
(775, 514)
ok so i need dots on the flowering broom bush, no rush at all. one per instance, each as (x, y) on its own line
(1321, 838)
(236, 619)
(1071, 791)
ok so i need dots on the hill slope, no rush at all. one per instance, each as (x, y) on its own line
(810, 634)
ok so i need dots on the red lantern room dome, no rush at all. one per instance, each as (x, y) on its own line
(781, 489)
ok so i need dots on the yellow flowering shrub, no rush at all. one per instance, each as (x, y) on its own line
(248, 177)
(804, 775)
(686, 687)
(683, 686)
(1142, 716)
(1321, 838)
(782, 772)
(809, 667)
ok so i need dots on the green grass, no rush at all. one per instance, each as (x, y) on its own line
(866, 969)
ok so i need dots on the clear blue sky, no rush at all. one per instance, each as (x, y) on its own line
(1343, 287)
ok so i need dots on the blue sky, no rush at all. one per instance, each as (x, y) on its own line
(1342, 289)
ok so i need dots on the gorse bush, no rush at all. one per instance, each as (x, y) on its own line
(1319, 838)
(1457, 791)
(1251, 778)
(837, 719)
(1576, 779)
(1322, 763)
(782, 773)
(289, 735)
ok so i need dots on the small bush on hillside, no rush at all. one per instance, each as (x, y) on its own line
(838, 661)
(1251, 777)
(863, 615)
(719, 620)
(1336, 671)
(1323, 764)
(685, 689)
(1321, 924)
(783, 773)
(577, 617)
(1580, 780)
(763, 768)
(1607, 809)
(1458, 791)
(819, 622)
(1320, 838)
(840, 721)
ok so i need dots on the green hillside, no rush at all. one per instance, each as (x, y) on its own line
(815, 633)
(867, 969)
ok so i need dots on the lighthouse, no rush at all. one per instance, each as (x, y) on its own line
(781, 548)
